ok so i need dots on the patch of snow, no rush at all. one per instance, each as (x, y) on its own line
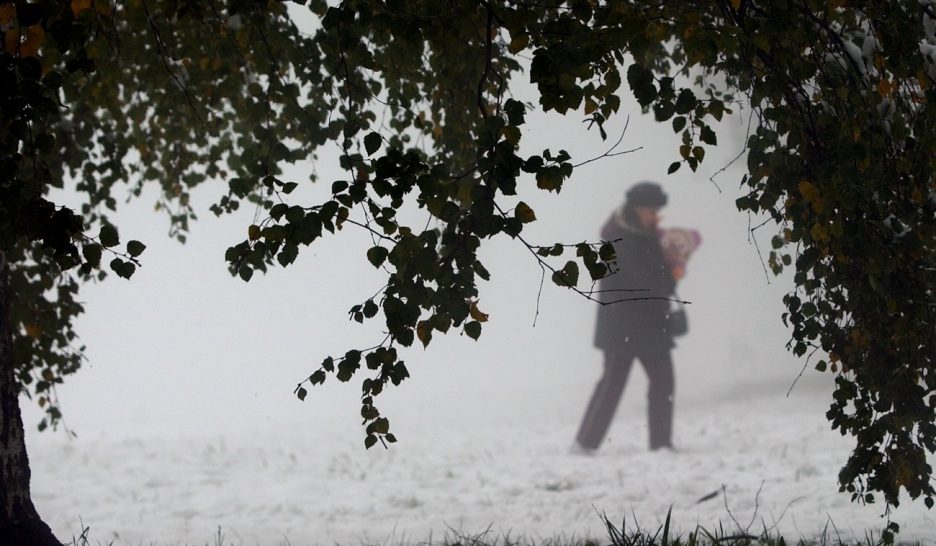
(763, 458)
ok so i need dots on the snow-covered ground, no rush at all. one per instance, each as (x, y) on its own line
(771, 460)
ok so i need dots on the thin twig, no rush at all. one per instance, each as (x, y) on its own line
(611, 149)
(488, 52)
(737, 157)
(162, 55)
(539, 293)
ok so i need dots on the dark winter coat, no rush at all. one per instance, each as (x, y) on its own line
(634, 326)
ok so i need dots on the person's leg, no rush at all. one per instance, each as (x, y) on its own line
(659, 367)
(604, 400)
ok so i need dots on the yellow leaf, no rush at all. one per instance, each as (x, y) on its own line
(10, 40)
(342, 215)
(736, 4)
(78, 6)
(476, 313)
(808, 190)
(524, 213)
(253, 232)
(511, 134)
(465, 187)
(819, 232)
(590, 106)
(424, 332)
(33, 330)
(885, 87)
(7, 14)
(689, 31)
(818, 204)
(34, 38)
(518, 44)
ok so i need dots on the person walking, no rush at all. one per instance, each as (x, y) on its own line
(637, 329)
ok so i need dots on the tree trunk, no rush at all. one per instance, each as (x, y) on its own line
(20, 524)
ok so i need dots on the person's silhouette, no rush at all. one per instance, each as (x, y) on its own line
(629, 330)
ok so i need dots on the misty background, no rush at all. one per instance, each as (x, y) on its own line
(186, 349)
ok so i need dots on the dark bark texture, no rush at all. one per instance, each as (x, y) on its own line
(20, 524)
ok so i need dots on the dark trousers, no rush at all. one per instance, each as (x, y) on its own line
(604, 401)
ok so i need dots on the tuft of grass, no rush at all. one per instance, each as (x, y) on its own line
(624, 534)
(740, 536)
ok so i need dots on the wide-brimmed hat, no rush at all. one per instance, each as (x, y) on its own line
(646, 194)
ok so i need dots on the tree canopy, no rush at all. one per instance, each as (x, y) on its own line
(415, 100)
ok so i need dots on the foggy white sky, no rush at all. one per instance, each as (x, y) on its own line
(184, 348)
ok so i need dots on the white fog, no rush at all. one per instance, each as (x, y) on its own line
(186, 421)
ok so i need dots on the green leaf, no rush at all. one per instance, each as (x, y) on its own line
(288, 254)
(686, 102)
(481, 270)
(511, 134)
(663, 110)
(473, 329)
(45, 142)
(679, 123)
(135, 248)
(92, 253)
(108, 236)
(567, 276)
(515, 112)
(606, 252)
(121, 268)
(369, 441)
(673, 167)
(707, 136)
(641, 83)
(377, 255)
(381, 425)
(301, 393)
(370, 308)
(372, 142)
(278, 210)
